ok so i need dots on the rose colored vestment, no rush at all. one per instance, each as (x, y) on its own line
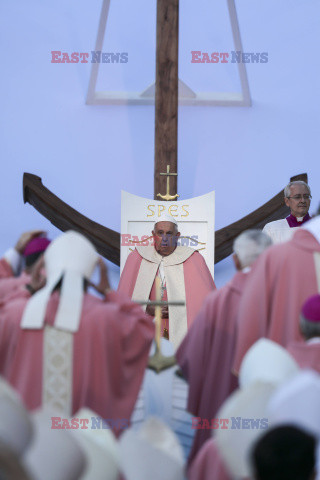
(280, 282)
(208, 464)
(5, 269)
(10, 284)
(197, 278)
(307, 355)
(110, 353)
(207, 352)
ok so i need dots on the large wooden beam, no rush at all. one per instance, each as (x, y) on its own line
(64, 217)
(166, 96)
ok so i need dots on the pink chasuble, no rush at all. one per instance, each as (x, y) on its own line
(280, 282)
(14, 286)
(197, 278)
(307, 355)
(208, 464)
(10, 317)
(207, 352)
(5, 269)
(9, 284)
(110, 353)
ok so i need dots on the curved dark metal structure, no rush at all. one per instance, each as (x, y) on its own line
(64, 217)
(107, 241)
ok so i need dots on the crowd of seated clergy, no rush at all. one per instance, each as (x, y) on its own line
(73, 364)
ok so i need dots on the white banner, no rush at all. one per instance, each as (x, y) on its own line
(195, 217)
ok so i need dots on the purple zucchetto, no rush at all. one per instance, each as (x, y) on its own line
(311, 309)
(36, 245)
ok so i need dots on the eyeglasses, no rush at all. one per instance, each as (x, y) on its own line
(300, 197)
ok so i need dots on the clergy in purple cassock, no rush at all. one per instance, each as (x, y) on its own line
(66, 347)
(183, 273)
(307, 354)
(206, 355)
(297, 196)
(27, 250)
(280, 282)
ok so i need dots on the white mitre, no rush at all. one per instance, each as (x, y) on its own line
(72, 258)
(153, 452)
(100, 447)
(267, 361)
(54, 454)
(297, 402)
(15, 423)
(244, 413)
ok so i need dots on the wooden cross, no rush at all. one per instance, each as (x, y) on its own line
(107, 241)
(166, 97)
(166, 136)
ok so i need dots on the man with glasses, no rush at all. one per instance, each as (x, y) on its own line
(297, 196)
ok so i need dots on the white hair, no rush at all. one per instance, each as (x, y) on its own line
(249, 245)
(287, 192)
(309, 329)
